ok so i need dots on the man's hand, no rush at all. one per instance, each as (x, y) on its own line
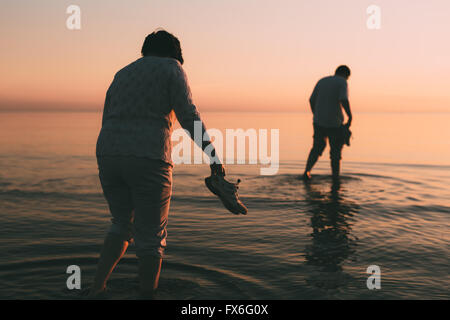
(217, 169)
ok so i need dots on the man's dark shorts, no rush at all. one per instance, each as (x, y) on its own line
(335, 137)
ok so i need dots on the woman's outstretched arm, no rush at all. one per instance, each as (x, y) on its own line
(187, 114)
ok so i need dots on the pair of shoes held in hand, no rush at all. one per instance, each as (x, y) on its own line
(225, 190)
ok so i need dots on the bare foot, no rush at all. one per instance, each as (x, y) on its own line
(306, 176)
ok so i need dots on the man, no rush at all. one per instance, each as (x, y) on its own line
(330, 95)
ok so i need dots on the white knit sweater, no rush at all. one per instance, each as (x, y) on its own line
(140, 108)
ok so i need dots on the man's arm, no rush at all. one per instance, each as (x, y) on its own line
(346, 105)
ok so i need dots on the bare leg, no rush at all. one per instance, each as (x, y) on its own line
(319, 144)
(113, 250)
(149, 271)
(335, 169)
(335, 157)
(312, 159)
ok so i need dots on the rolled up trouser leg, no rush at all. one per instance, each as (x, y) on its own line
(151, 190)
(118, 196)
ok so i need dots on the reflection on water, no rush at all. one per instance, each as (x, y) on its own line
(331, 221)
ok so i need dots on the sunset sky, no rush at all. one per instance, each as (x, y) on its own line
(244, 55)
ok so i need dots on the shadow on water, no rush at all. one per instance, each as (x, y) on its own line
(332, 244)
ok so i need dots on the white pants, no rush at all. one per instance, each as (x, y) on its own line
(138, 192)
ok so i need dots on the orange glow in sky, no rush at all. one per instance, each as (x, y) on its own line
(250, 55)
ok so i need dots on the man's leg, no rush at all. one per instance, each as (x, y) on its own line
(319, 145)
(336, 145)
(335, 168)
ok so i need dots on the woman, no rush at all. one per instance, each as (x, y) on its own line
(134, 156)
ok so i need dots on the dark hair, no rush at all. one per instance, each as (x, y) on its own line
(164, 44)
(343, 70)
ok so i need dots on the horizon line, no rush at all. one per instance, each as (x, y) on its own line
(32, 110)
